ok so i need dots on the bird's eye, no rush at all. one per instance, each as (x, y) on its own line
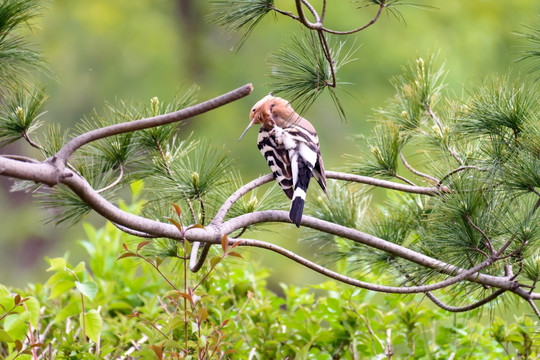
(253, 109)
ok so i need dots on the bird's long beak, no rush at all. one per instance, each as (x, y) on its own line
(250, 125)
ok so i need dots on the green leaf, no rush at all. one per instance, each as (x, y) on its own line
(215, 260)
(136, 187)
(61, 287)
(17, 325)
(5, 337)
(33, 308)
(94, 324)
(72, 309)
(87, 288)
(59, 276)
(175, 322)
(57, 264)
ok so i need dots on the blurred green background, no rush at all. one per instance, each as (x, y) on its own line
(104, 50)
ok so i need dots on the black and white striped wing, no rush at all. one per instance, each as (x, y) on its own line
(278, 160)
(304, 160)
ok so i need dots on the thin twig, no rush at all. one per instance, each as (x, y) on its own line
(371, 22)
(134, 232)
(461, 168)
(312, 10)
(115, 182)
(533, 306)
(405, 180)
(433, 116)
(484, 235)
(31, 142)
(416, 172)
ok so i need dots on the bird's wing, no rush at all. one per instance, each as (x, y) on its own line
(278, 160)
(311, 152)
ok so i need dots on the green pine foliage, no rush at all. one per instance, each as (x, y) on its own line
(16, 56)
(300, 70)
(482, 155)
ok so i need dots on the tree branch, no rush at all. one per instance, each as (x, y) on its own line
(65, 152)
(432, 191)
(469, 307)
(416, 172)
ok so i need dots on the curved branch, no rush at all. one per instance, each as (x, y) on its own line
(318, 24)
(378, 243)
(196, 263)
(75, 143)
(222, 212)
(471, 273)
(114, 183)
(312, 10)
(469, 307)
(384, 183)
(458, 169)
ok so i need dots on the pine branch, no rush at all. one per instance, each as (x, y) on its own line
(67, 150)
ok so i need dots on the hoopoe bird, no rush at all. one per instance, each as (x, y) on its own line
(290, 145)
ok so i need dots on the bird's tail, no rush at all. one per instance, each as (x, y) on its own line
(299, 196)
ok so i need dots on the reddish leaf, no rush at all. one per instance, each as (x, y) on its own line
(17, 299)
(235, 244)
(134, 314)
(234, 253)
(142, 244)
(196, 226)
(186, 296)
(225, 322)
(18, 345)
(177, 224)
(158, 350)
(225, 243)
(202, 314)
(125, 247)
(178, 210)
(125, 255)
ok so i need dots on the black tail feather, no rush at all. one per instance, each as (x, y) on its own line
(297, 208)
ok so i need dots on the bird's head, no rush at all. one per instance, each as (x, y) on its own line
(271, 111)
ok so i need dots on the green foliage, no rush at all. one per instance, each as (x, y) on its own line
(531, 33)
(146, 306)
(16, 57)
(482, 156)
(19, 114)
(301, 72)
(240, 15)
